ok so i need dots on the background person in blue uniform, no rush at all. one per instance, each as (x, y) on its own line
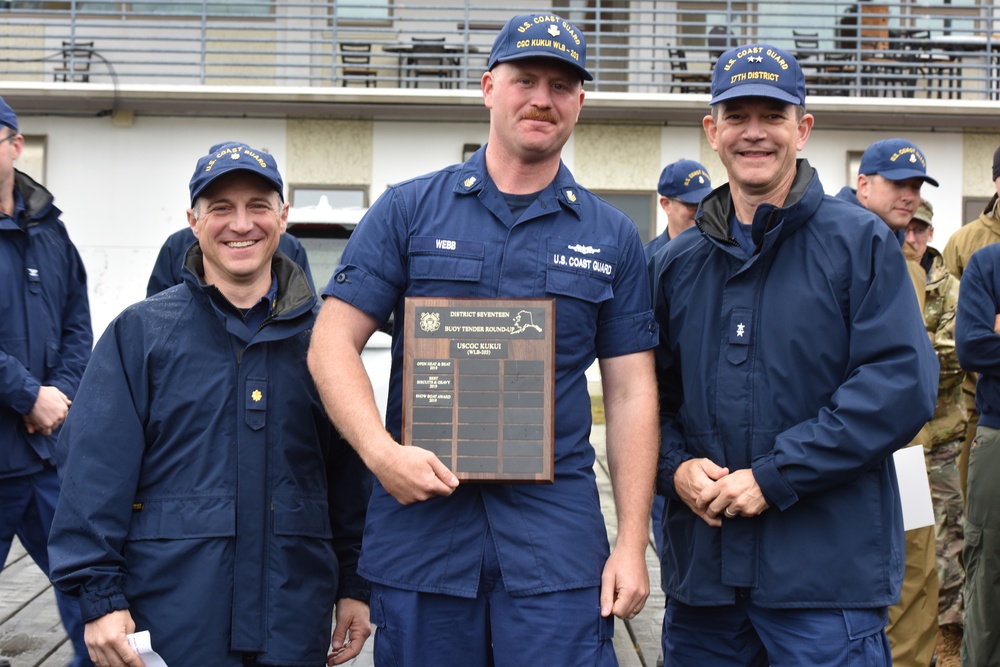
(890, 176)
(683, 184)
(792, 363)
(45, 341)
(207, 498)
(503, 574)
(977, 341)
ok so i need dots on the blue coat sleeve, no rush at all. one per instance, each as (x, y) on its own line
(77, 337)
(976, 341)
(888, 392)
(18, 387)
(99, 456)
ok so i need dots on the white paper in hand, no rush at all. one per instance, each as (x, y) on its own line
(141, 642)
(914, 487)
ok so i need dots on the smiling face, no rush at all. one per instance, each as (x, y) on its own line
(893, 201)
(758, 140)
(238, 220)
(534, 105)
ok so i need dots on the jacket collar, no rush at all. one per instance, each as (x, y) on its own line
(472, 178)
(801, 203)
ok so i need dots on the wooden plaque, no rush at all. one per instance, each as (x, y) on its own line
(479, 386)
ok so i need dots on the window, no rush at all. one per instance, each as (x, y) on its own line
(640, 206)
(336, 196)
(363, 11)
(189, 8)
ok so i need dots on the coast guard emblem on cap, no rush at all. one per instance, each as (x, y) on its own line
(554, 31)
(913, 157)
(234, 156)
(430, 322)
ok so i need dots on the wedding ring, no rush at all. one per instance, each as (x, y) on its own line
(729, 514)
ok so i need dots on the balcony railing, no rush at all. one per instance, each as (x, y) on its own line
(904, 48)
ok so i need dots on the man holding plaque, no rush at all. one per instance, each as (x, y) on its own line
(502, 573)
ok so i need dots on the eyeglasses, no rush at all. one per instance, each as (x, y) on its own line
(918, 230)
(9, 137)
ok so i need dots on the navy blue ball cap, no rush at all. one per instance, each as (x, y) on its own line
(758, 70)
(228, 157)
(7, 116)
(895, 159)
(686, 180)
(541, 36)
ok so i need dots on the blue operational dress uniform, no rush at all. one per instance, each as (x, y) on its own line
(452, 234)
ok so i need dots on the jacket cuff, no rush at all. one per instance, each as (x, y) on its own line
(356, 587)
(772, 483)
(668, 464)
(94, 604)
(26, 398)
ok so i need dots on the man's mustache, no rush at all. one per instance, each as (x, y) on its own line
(538, 114)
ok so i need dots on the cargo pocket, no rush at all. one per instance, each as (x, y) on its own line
(183, 519)
(304, 517)
(867, 642)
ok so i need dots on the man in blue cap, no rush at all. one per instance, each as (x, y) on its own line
(683, 184)
(503, 573)
(890, 176)
(792, 363)
(45, 341)
(206, 496)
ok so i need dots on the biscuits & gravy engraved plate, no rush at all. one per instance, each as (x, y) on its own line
(479, 385)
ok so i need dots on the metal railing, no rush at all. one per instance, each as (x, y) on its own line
(903, 48)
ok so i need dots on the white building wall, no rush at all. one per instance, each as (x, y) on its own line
(123, 190)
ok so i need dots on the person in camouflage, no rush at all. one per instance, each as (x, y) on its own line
(942, 437)
(970, 237)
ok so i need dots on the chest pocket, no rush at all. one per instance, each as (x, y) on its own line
(433, 258)
(579, 270)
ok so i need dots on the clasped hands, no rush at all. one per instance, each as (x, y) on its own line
(714, 493)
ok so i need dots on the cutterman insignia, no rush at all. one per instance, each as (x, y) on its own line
(584, 249)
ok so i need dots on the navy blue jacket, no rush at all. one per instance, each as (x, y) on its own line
(976, 342)
(168, 270)
(45, 334)
(204, 487)
(807, 362)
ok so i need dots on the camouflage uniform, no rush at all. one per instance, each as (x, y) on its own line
(977, 234)
(942, 438)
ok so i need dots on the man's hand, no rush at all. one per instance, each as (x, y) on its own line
(106, 642)
(691, 479)
(996, 325)
(351, 629)
(49, 412)
(412, 474)
(737, 494)
(624, 583)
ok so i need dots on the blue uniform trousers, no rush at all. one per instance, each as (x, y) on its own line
(746, 635)
(27, 504)
(494, 629)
